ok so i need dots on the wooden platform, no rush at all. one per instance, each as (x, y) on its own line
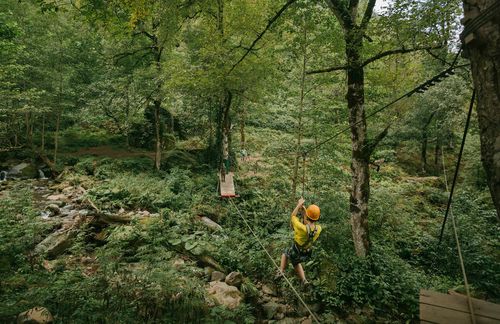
(441, 308)
(227, 186)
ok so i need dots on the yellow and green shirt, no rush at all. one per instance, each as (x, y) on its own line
(301, 236)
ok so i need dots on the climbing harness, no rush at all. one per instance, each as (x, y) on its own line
(274, 262)
(310, 237)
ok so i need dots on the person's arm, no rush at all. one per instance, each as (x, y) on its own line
(300, 204)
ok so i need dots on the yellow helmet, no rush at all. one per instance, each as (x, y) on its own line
(313, 212)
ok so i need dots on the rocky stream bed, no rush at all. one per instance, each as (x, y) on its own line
(66, 208)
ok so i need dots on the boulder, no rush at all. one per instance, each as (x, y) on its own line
(59, 203)
(179, 263)
(54, 209)
(84, 212)
(57, 197)
(289, 320)
(223, 294)
(68, 190)
(24, 170)
(269, 291)
(116, 218)
(217, 276)
(307, 321)
(270, 309)
(234, 279)
(56, 243)
(35, 315)
(210, 223)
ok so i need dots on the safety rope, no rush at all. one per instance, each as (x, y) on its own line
(459, 249)
(274, 262)
(303, 174)
(450, 198)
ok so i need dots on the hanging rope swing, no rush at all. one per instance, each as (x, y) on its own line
(441, 308)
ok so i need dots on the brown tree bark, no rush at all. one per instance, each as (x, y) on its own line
(360, 184)
(425, 140)
(482, 47)
(157, 107)
(157, 52)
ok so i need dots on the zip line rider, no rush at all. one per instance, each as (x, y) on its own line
(306, 232)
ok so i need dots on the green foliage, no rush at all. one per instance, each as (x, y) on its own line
(174, 190)
(242, 314)
(381, 282)
(20, 229)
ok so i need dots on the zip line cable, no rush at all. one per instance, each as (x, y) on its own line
(459, 249)
(419, 89)
(450, 198)
(274, 262)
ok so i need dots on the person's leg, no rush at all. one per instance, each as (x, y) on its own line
(284, 261)
(300, 272)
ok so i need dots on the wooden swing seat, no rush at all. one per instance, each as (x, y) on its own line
(227, 186)
(442, 308)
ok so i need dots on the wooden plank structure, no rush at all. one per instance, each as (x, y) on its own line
(441, 308)
(227, 186)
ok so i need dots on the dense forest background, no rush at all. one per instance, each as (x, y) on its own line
(112, 118)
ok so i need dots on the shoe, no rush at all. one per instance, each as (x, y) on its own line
(278, 275)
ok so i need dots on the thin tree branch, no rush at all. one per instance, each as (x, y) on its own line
(375, 58)
(269, 24)
(372, 143)
(438, 58)
(12, 148)
(397, 51)
(123, 55)
(331, 69)
(367, 15)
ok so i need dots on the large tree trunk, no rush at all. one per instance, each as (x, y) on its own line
(360, 191)
(484, 55)
(223, 124)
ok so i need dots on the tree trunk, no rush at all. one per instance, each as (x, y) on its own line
(224, 124)
(243, 116)
(425, 138)
(484, 55)
(43, 133)
(157, 107)
(360, 191)
(423, 151)
(56, 135)
(437, 152)
(157, 51)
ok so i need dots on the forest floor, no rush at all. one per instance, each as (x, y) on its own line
(132, 241)
(111, 152)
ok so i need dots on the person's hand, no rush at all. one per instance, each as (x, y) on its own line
(301, 201)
